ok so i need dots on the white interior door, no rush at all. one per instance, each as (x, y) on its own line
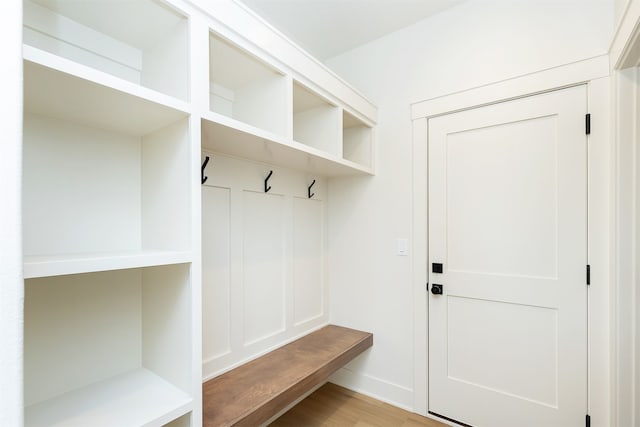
(508, 223)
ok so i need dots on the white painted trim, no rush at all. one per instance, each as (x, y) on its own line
(595, 72)
(625, 222)
(625, 48)
(11, 283)
(600, 248)
(529, 84)
(419, 267)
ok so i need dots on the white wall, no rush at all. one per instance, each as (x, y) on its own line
(473, 44)
(11, 290)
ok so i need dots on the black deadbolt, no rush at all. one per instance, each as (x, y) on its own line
(436, 289)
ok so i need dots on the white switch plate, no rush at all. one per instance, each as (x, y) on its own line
(402, 247)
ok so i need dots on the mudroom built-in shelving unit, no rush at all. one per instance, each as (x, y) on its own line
(106, 167)
(115, 122)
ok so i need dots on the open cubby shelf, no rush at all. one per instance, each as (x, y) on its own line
(144, 42)
(99, 352)
(244, 88)
(324, 139)
(103, 169)
(316, 122)
(357, 140)
(57, 87)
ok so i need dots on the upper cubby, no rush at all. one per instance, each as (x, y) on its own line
(104, 172)
(357, 143)
(316, 121)
(246, 89)
(144, 41)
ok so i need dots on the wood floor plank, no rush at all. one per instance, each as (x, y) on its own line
(335, 406)
(252, 393)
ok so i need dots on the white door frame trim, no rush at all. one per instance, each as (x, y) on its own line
(625, 48)
(595, 73)
(625, 56)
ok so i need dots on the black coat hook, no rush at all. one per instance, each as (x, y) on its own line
(309, 193)
(267, 187)
(204, 165)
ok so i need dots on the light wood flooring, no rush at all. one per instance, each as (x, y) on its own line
(335, 406)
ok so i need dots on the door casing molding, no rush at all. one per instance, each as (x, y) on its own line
(625, 63)
(593, 72)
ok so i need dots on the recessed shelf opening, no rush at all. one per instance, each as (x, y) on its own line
(144, 42)
(100, 350)
(92, 186)
(244, 88)
(316, 121)
(356, 140)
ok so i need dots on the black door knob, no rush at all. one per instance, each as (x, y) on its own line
(436, 289)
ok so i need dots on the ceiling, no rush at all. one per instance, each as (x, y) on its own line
(326, 28)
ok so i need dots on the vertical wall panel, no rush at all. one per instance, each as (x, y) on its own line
(215, 272)
(308, 272)
(263, 265)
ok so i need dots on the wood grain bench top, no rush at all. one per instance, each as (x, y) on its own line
(254, 392)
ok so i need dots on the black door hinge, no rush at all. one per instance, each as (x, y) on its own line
(587, 124)
(427, 286)
(588, 274)
(587, 421)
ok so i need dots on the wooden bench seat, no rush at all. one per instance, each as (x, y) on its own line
(251, 394)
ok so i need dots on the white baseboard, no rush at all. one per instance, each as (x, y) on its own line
(377, 388)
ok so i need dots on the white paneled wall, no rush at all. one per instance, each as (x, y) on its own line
(264, 261)
(263, 265)
(308, 270)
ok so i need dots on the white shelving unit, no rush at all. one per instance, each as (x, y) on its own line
(224, 136)
(261, 114)
(107, 215)
(111, 142)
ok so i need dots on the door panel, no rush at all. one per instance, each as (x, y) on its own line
(507, 218)
(525, 203)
